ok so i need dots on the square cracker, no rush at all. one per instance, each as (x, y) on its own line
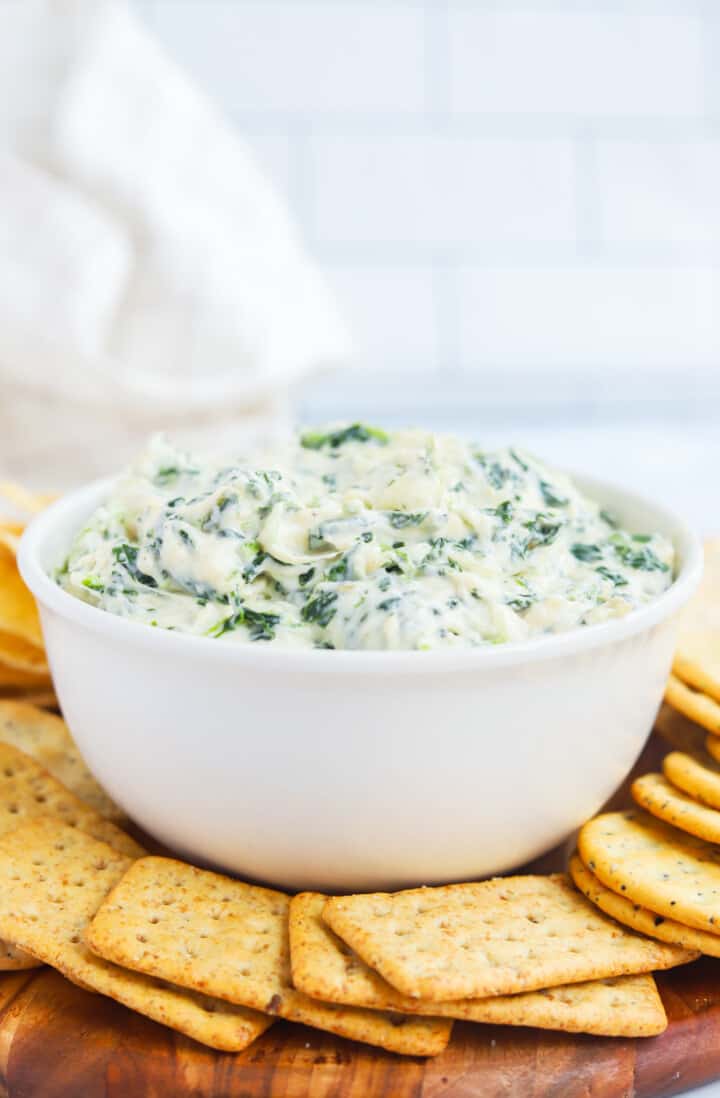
(46, 738)
(230, 939)
(52, 880)
(28, 790)
(494, 937)
(325, 968)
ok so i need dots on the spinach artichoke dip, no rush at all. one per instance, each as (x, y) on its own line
(356, 538)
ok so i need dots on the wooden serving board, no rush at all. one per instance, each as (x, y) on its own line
(57, 1041)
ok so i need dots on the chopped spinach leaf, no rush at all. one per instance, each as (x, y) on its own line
(356, 432)
(127, 556)
(552, 499)
(520, 603)
(400, 519)
(504, 511)
(542, 531)
(338, 571)
(586, 553)
(523, 465)
(615, 578)
(260, 625)
(644, 560)
(321, 608)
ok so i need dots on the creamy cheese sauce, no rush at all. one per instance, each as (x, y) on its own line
(360, 539)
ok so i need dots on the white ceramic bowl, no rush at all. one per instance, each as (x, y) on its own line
(356, 770)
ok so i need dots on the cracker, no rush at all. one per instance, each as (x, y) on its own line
(697, 659)
(18, 612)
(28, 790)
(712, 746)
(12, 677)
(653, 864)
(14, 959)
(654, 793)
(698, 707)
(701, 782)
(325, 968)
(681, 733)
(495, 937)
(639, 918)
(22, 655)
(46, 738)
(204, 931)
(43, 699)
(9, 539)
(52, 880)
(22, 498)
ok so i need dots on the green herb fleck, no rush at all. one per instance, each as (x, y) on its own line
(356, 432)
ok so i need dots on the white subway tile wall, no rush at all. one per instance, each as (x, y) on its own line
(517, 202)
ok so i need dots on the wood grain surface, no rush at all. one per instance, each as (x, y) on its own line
(57, 1041)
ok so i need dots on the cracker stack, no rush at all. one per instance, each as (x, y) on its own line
(24, 671)
(657, 869)
(694, 686)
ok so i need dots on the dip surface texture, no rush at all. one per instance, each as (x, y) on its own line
(360, 539)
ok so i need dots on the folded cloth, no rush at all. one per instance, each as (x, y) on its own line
(149, 275)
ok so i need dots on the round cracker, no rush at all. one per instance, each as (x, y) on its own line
(680, 733)
(712, 746)
(22, 498)
(697, 661)
(652, 864)
(698, 707)
(658, 796)
(18, 612)
(22, 655)
(640, 918)
(688, 774)
(14, 679)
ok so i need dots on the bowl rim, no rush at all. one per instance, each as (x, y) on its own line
(82, 501)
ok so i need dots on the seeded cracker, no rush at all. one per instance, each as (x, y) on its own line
(654, 793)
(325, 968)
(27, 790)
(698, 707)
(653, 864)
(697, 659)
(702, 782)
(495, 937)
(52, 880)
(201, 930)
(680, 733)
(639, 918)
(46, 738)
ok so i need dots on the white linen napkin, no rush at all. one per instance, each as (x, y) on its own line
(149, 275)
